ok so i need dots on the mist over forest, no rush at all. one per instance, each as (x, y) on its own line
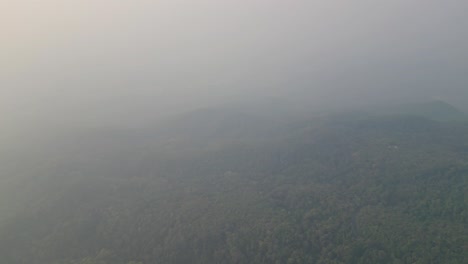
(141, 132)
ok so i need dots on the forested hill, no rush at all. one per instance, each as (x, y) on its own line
(434, 110)
(228, 186)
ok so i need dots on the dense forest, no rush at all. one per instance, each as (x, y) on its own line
(241, 186)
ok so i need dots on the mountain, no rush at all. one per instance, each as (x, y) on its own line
(234, 186)
(435, 110)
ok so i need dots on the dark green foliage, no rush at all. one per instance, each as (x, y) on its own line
(360, 190)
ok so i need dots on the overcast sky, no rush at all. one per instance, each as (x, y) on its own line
(103, 61)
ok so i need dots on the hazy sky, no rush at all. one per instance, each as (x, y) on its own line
(101, 61)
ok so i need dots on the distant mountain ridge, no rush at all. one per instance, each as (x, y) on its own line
(434, 110)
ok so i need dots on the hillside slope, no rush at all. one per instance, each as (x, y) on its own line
(380, 189)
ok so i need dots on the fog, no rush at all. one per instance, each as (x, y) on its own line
(117, 62)
(233, 131)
